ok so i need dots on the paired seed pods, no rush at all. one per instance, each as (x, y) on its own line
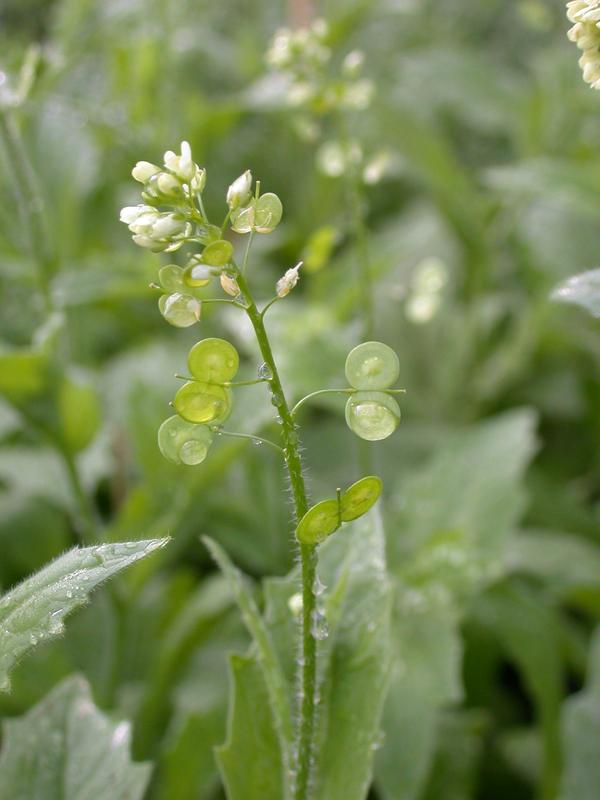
(372, 413)
(326, 517)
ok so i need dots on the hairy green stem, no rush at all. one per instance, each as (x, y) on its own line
(308, 557)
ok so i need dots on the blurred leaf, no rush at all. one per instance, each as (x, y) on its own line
(22, 373)
(66, 749)
(35, 609)
(581, 290)
(581, 735)
(79, 414)
(511, 611)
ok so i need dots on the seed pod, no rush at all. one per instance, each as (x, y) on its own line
(229, 285)
(360, 497)
(372, 415)
(319, 522)
(180, 310)
(213, 361)
(372, 365)
(203, 402)
(171, 278)
(182, 442)
(217, 254)
(267, 213)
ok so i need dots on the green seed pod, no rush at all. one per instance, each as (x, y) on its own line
(267, 213)
(217, 254)
(319, 522)
(360, 497)
(180, 310)
(171, 278)
(242, 219)
(203, 402)
(213, 361)
(372, 365)
(182, 442)
(372, 415)
(197, 275)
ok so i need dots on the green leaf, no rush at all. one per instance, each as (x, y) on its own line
(268, 659)
(581, 735)
(23, 373)
(354, 659)
(581, 290)
(35, 609)
(250, 760)
(66, 749)
(512, 611)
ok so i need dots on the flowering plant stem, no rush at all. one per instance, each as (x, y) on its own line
(308, 557)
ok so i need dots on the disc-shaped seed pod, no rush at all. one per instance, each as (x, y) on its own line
(360, 497)
(319, 522)
(203, 402)
(372, 365)
(213, 361)
(182, 442)
(372, 415)
(180, 310)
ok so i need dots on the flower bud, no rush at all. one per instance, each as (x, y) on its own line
(229, 285)
(144, 170)
(182, 166)
(289, 280)
(239, 191)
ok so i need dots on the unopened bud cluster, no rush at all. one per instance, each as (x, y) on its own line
(585, 14)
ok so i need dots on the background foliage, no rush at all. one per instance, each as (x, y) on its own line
(492, 483)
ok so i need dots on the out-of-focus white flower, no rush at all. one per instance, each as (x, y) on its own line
(353, 63)
(586, 35)
(376, 167)
(144, 170)
(288, 281)
(239, 191)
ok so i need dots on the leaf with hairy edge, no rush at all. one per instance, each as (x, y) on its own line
(66, 749)
(34, 610)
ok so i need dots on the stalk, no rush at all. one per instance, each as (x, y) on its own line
(308, 557)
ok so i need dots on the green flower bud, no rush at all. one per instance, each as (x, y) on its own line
(239, 192)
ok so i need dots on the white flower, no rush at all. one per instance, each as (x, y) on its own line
(154, 230)
(239, 191)
(353, 63)
(144, 170)
(586, 35)
(182, 166)
(289, 280)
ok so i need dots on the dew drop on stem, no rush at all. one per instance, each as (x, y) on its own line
(265, 372)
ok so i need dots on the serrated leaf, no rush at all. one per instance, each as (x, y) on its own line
(581, 290)
(581, 735)
(34, 611)
(66, 749)
(250, 760)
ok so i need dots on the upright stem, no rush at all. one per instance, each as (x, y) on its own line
(29, 197)
(308, 556)
(362, 254)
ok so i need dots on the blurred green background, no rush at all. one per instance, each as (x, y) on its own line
(492, 482)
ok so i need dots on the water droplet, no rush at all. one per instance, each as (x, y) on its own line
(318, 587)
(319, 628)
(278, 420)
(257, 442)
(276, 399)
(265, 372)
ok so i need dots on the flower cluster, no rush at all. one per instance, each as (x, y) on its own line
(315, 90)
(173, 215)
(585, 14)
(303, 55)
